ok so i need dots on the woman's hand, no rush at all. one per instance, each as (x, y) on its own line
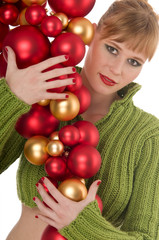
(61, 213)
(30, 85)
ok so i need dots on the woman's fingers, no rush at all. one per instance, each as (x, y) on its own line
(57, 73)
(10, 58)
(59, 83)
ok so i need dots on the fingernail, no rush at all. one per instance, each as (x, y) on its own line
(43, 178)
(99, 182)
(37, 184)
(6, 49)
(36, 216)
(73, 69)
(74, 80)
(33, 198)
(66, 57)
(66, 96)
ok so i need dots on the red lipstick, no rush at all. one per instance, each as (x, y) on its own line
(107, 81)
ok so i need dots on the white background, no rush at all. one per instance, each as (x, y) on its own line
(147, 98)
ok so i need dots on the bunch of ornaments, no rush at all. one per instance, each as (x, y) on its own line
(69, 155)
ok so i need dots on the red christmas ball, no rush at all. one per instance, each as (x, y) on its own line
(77, 85)
(38, 121)
(4, 29)
(88, 133)
(72, 8)
(68, 44)
(69, 135)
(35, 14)
(51, 26)
(51, 233)
(8, 13)
(59, 89)
(29, 44)
(3, 66)
(84, 98)
(100, 204)
(84, 161)
(55, 167)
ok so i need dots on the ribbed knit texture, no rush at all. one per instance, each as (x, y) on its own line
(129, 147)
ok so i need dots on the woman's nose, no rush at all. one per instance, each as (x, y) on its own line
(117, 66)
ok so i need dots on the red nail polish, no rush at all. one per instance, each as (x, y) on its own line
(74, 80)
(37, 184)
(6, 49)
(66, 57)
(36, 216)
(74, 69)
(66, 96)
(99, 182)
(43, 178)
(33, 198)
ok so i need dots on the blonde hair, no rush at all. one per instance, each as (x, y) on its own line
(133, 21)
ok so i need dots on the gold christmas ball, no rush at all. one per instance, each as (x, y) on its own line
(22, 19)
(31, 2)
(83, 28)
(63, 17)
(73, 189)
(44, 102)
(54, 135)
(66, 109)
(35, 150)
(55, 148)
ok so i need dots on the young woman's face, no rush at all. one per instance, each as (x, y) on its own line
(110, 65)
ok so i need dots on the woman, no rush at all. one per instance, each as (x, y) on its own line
(126, 36)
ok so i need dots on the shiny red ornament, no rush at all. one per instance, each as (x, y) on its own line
(55, 167)
(100, 203)
(77, 85)
(4, 29)
(51, 26)
(59, 89)
(38, 121)
(88, 133)
(69, 135)
(51, 233)
(8, 13)
(3, 66)
(29, 44)
(35, 14)
(72, 8)
(68, 44)
(84, 98)
(84, 161)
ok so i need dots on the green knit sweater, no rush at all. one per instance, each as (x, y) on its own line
(129, 147)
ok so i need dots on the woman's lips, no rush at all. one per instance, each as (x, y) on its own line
(107, 81)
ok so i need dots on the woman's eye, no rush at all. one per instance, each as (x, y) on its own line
(111, 49)
(134, 63)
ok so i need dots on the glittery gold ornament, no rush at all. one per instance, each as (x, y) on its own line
(73, 189)
(55, 148)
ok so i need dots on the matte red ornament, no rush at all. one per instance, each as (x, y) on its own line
(4, 29)
(69, 135)
(77, 85)
(68, 44)
(55, 167)
(59, 89)
(38, 121)
(8, 13)
(84, 161)
(100, 203)
(72, 8)
(51, 233)
(84, 98)
(88, 133)
(35, 14)
(3, 66)
(29, 44)
(51, 26)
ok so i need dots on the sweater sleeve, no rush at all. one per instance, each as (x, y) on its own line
(11, 143)
(141, 220)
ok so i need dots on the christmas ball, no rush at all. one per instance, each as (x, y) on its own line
(69, 135)
(4, 30)
(51, 233)
(55, 148)
(100, 204)
(67, 109)
(88, 133)
(77, 85)
(44, 102)
(35, 150)
(8, 13)
(38, 121)
(55, 167)
(54, 135)
(72, 8)
(73, 189)
(84, 161)
(83, 28)
(29, 44)
(64, 19)
(35, 14)
(11, 1)
(31, 2)
(68, 44)
(51, 26)
(84, 98)
(22, 19)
